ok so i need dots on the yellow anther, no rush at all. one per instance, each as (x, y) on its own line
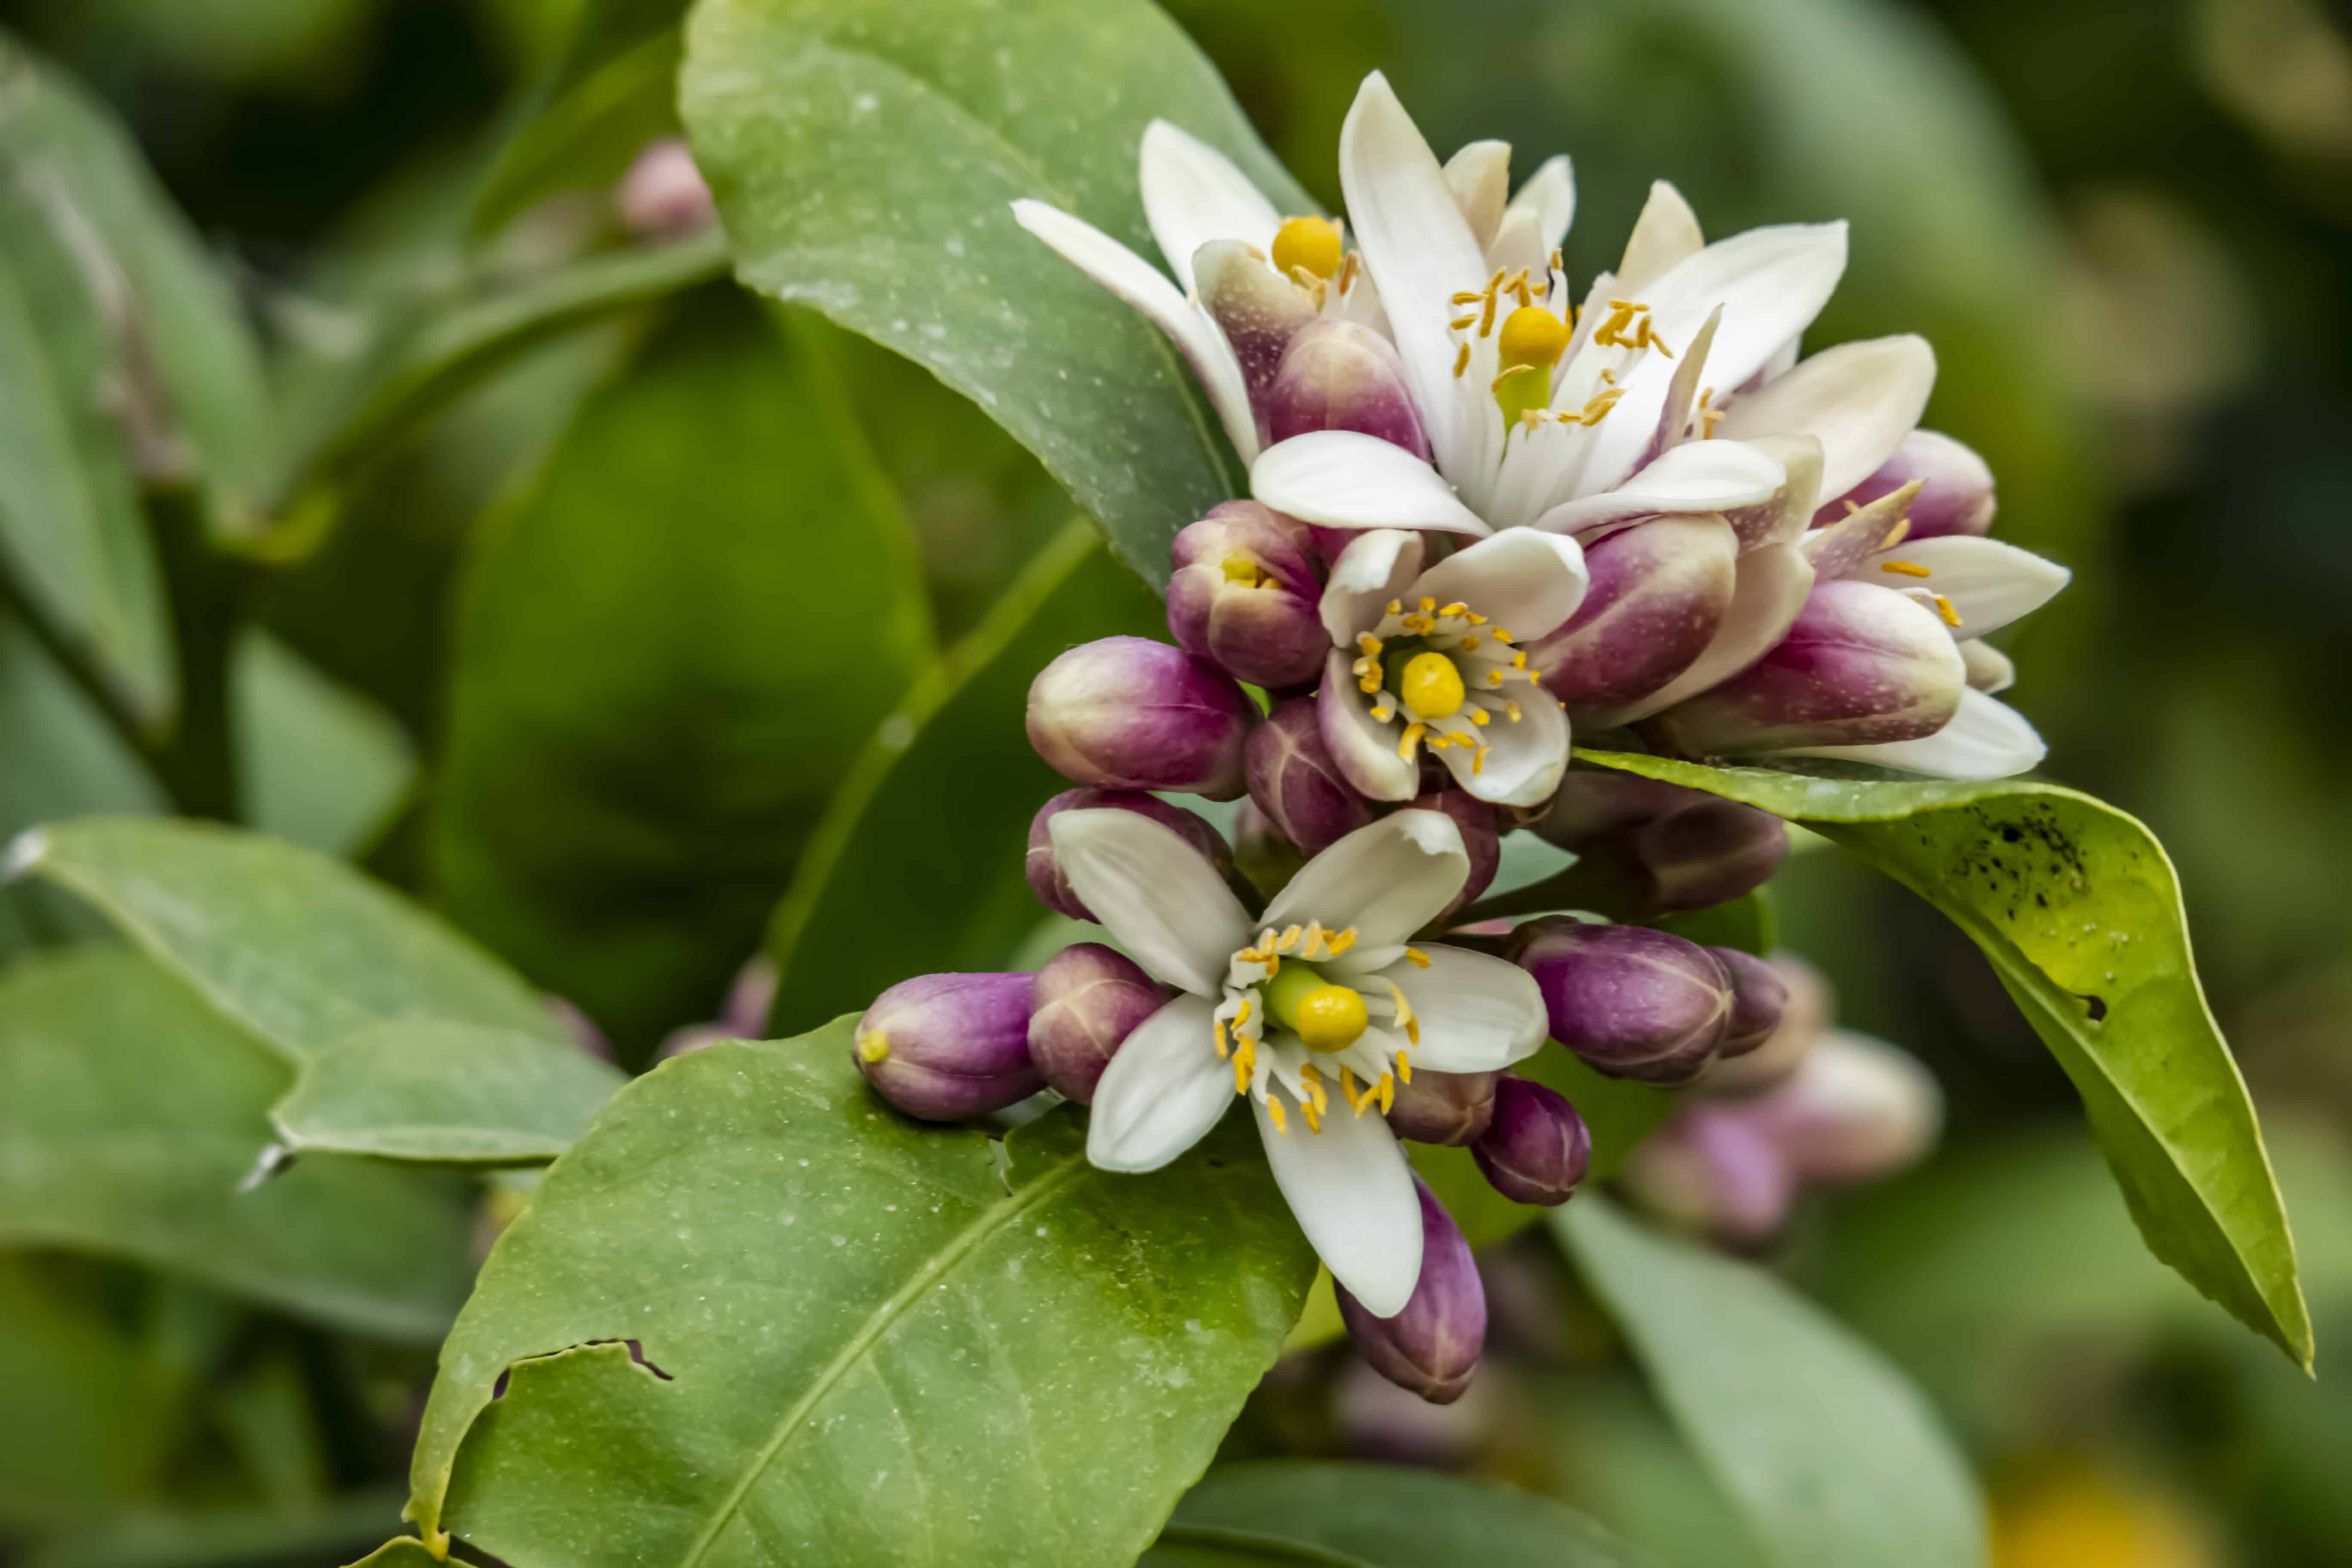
(1387, 1093)
(1467, 296)
(1905, 568)
(1404, 1013)
(1242, 568)
(1519, 661)
(1349, 1092)
(1313, 1083)
(1493, 678)
(1458, 322)
(1511, 711)
(1430, 687)
(1336, 946)
(1382, 715)
(1417, 958)
(1348, 270)
(1500, 634)
(1312, 243)
(1289, 939)
(1273, 1113)
(873, 1045)
(1411, 742)
(1467, 645)
(1532, 336)
(1944, 609)
(1404, 1069)
(1369, 644)
(1895, 535)
(1478, 759)
(1314, 1114)
(1222, 1051)
(1242, 1016)
(1395, 607)
(1455, 608)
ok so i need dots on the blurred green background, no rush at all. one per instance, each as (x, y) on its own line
(2127, 224)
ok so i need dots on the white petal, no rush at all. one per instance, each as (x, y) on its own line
(1141, 285)
(1525, 762)
(1164, 1088)
(1765, 602)
(1376, 567)
(1990, 670)
(1388, 881)
(1989, 584)
(1783, 517)
(1344, 478)
(1192, 195)
(1549, 197)
(1365, 749)
(1695, 477)
(1476, 1012)
(1861, 400)
(1479, 175)
(1353, 1195)
(1155, 893)
(1665, 235)
(1987, 738)
(1417, 245)
(1525, 582)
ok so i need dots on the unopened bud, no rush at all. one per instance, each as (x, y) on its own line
(1295, 781)
(1632, 1001)
(1989, 670)
(944, 1046)
(1594, 802)
(1658, 594)
(663, 194)
(1862, 664)
(1757, 996)
(1431, 1346)
(1337, 376)
(1259, 308)
(1450, 1108)
(1956, 489)
(1536, 1148)
(1131, 713)
(1854, 1111)
(1804, 1013)
(1481, 836)
(1244, 594)
(1088, 999)
(1712, 1169)
(1045, 872)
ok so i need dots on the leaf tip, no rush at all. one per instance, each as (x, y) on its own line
(24, 852)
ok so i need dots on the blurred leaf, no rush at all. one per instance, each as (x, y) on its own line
(324, 766)
(134, 1114)
(241, 1537)
(669, 655)
(267, 1412)
(1832, 1458)
(938, 806)
(864, 154)
(612, 91)
(1604, 1447)
(1745, 922)
(458, 1093)
(2077, 909)
(1298, 1511)
(86, 1417)
(298, 949)
(401, 1551)
(818, 1299)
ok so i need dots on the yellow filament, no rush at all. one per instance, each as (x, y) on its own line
(1309, 243)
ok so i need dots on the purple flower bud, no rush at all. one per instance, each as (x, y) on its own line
(1045, 879)
(1804, 1015)
(1088, 998)
(1537, 1148)
(944, 1046)
(1856, 1109)
(1130, 714)
(1710, 852)
(1632, 1001)
(1481, 835)
(1594, 802)
(1295, 781)
(1759, 995)
(1658, 594)
(1955, 494)
(1451, 1108)
(1246, 591)
(1340, 376)
(1264, 855)
(1431, 1346)
(1711, 1169)
(1260, 310)
(1862, 664)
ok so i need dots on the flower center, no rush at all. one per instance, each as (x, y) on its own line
(1430, 688)
(1243, 567)
(1447, 668)
(1311, 243)
(1325, 1017)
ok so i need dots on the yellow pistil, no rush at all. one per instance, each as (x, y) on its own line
(1311, 243)
(1531, 344)
(1330, 1018)
(1430, 687)
(1905, 568)
(873, 1045)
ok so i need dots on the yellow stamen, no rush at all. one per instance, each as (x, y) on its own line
(1313, 1082)
(1478, 717)
(1387, 1093)
(1404, 1067)
(1311, 243)
(1895, 535)
(1342, 942)
(1405, 1014)
(1273, 1114)
(1944, 609)
(1417, 958)
(1500, 634)
(1905, 568)
(1382, 715)
(1411, 742)
(1458, 322)
(1369, 645)
(1222, 1051)
(1314, 1114)
(1478, 759)
(1462, 362)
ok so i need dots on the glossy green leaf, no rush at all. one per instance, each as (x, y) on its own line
(133, 1115)
(401, 1551)
(1375, 1516)
(297, 949)
(323, 767)
(2078, 909)
(1832, 1458)
(613, 89)
(917, 866)
(453, 1093)
(866, 152)
(754, 1316)
(669, 655)
(231, 1537)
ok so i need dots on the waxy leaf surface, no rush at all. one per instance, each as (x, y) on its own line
(754, 1316)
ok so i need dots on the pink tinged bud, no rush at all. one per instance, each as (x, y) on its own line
(1295, 781)
(1259, 309)
(1088, 999)
(1804, 1015)
(1759, 996)
(1130, 714)
(1431, 1346)
(663, 194)
(1712, 1169)
(1340, 376)
(1045, 879)
(1481, 835)
(1956, 494)
(1632, 1001)
(1536, 1148)
(944, 1046)
(1862, 664)
(1659, 591)
(1856, 1109)
(1245, 594)
(1450, 1108)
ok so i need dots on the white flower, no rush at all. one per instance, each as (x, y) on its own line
(1431, 657)
(1314, 1013)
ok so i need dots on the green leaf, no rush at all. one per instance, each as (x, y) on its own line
(454, 1093)
(133, 1115)
(298, 949)
(2078, 909)
(1375, 1516)
(241, 1537)
(669, 655)
(755, 1316)
(401, 1551)
(324, 766)
(85, 1415)
(918, 864)
(866, 152)
(1745, 922)
(612, 91)
(1831, 1456)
